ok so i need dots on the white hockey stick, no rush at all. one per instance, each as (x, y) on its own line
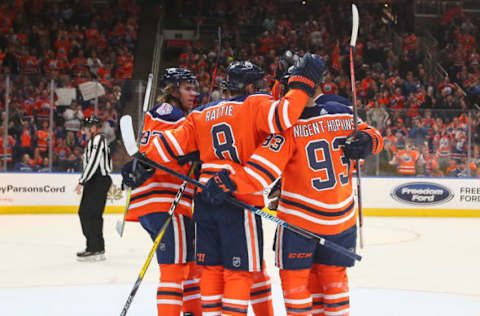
(353, 41)
(120, 224)
(132, 149)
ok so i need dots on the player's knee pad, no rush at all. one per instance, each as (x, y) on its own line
(331, 276)
(298, 300)
(173, 272)
(194, 271)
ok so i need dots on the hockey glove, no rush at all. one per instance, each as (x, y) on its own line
(358, 146)
(135, 177)
(218, 188)
(190, 157)
(281, 69)
(307, 74)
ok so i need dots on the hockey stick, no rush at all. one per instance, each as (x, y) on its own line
(157, 241)
(219, 34)
(120, 225)
(353, 41)
(132, 149)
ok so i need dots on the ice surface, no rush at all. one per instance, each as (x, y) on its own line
(411, 266)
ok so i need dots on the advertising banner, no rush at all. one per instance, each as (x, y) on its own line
(50, 193)
(381, 196)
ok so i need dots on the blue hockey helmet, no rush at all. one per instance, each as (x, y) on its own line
(176, 76)
(241, 73)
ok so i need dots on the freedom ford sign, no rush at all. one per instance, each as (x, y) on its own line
(421, 193)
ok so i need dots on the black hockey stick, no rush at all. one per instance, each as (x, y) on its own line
(157, 241)
(120, 225)
(128, 137)
(219, 34)
(353, 41)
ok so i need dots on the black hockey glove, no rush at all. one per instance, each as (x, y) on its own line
(193, 156)
(135, 178)
(307, 74)
(218, 188)
(358, 146)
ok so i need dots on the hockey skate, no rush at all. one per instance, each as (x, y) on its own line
(90, 256)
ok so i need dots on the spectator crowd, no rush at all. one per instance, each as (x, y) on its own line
(70, 43)
(431, 126)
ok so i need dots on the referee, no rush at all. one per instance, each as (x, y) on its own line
(96, 182)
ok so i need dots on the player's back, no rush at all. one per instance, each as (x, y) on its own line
(157, 192)
(227, 132)
(316, 187)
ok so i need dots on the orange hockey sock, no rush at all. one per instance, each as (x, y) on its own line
(298, 300)
(170, 289)
(336, 297)
(237, 292)
(261, 293)
(211, 289)
(315, 288)
(191, 290)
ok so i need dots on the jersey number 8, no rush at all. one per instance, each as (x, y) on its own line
(224, 142)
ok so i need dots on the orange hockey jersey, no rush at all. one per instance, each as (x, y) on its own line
(158, 192)
(228, 131)
(316, 191)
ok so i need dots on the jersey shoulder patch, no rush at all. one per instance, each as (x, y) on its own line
(166, 112)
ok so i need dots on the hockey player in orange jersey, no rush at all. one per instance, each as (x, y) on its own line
(178, 289)
(314, 160)
(229, 240)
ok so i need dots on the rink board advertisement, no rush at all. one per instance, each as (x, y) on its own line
(412, 196)
(381, 196)
(50, 193)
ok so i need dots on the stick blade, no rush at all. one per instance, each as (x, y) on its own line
(128, 136)
(355, 22)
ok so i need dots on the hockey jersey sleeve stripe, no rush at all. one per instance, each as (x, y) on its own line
(277, 120)
(154, 192)
(158, 200)
(270, 116)
(217, 167)
(286, 120)
(167, 146)
(256, 176)
(267, 163)
(303, 198)
(175, 143)
(260, 168)
(159, 185)
(316, 220)
(160, 150)
(316, 211)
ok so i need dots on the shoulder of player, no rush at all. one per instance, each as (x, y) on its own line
(324, 98)
(166, 112)
(329, 109)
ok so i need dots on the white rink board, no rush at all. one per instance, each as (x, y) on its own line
(379, 192)
(381, 196)
(49, 189)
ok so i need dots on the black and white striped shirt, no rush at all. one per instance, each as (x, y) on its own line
(96, 157)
